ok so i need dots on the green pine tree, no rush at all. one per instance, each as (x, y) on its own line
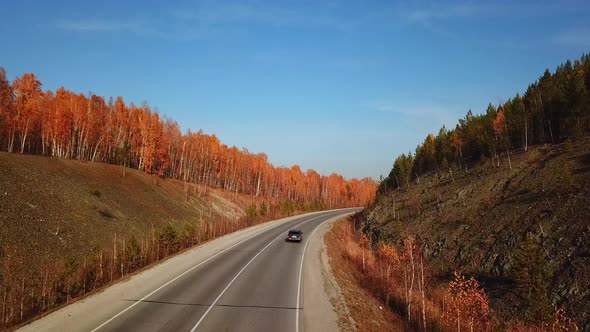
(532, 272)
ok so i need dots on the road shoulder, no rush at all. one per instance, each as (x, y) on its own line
(324, 306)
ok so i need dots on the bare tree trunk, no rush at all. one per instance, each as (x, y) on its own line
(526, 134)
(363, 260)
(32, 305)
(186, 191)
(96, 149)
(84, 276)
(258, 184)
(423, 292)
(43, 134)
(22, 299)
(546, 118)
(458, 320)
(506, 141)
(411, 284)
(155, 244)
(11, 140)
(44, 289)
(99, 275)
(407, 293)
(4, 296)
(114, 263)
(24, 138)
(123, 260)
(508, 153)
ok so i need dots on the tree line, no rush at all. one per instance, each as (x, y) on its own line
(553, 109)
(72, 125)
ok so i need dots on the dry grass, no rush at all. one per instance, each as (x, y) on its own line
(474, 222)
(368, 311)
(70, 227)
(373, 282)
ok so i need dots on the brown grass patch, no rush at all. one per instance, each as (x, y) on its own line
(368, 312)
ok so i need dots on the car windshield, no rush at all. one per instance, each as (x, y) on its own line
(295, 232)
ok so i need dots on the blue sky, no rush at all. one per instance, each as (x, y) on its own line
(334, 86)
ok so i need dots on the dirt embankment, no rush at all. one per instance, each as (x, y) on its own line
(57, 208)
(479, 221)
(71, 227)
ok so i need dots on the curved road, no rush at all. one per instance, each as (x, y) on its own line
(246, 281)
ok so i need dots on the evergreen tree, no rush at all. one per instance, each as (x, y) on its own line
(554, 108)
(403, 169)
(531, 272)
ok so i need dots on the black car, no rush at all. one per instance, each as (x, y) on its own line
(294, 235)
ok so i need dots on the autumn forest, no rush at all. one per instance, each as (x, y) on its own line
(551, 110)
(72, 125)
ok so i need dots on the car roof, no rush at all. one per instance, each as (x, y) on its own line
(295, 231)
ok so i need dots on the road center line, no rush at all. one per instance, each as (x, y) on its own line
(182, 274)
(242, 270)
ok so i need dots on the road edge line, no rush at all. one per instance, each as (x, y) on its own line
(242, 270)
(179, 276)
(298, 309)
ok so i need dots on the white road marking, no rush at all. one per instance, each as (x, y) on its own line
(300, 274)
(176, 278)
(238, 274)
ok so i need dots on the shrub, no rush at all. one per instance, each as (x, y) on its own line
(532, 272)
(251, 211)
(168, 238)
(263, 209)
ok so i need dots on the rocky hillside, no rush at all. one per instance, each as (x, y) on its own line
(500, 224)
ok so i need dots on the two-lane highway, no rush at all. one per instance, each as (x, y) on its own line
(249, 282)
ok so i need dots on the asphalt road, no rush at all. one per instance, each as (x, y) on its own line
(250, 281)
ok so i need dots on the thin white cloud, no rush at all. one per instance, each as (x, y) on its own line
(435, 113)
(579, 37)
(97, 25)
(436, 17)
(433, 18)
(473, 10)
(142, 26)
(257, 14)
(467, 10)
(209, 20)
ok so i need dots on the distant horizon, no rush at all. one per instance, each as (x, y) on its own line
(331, 87)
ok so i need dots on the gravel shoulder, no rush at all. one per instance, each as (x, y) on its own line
(324, 306)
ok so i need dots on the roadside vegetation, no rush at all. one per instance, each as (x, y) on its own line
(495, 209)
(71, 227)
(399, 278)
